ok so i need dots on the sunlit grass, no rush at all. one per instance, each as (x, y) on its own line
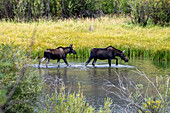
(152, 42)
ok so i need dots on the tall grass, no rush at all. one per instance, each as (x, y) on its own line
(151, 42)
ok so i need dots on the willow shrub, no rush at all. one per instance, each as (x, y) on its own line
(13, 65)
(155, 11)
(156, 105)
(159, 102)
(72, 103)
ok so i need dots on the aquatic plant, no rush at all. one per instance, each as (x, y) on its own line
(147, 42)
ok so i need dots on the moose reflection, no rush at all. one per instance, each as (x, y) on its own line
(58, 53)
(106, 53)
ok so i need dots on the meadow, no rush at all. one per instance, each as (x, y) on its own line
(146, 42)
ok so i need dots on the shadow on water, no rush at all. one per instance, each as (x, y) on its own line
(93, 79)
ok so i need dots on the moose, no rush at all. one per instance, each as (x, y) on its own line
(106, 53)
(58, 53)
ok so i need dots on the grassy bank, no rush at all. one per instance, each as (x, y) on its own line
(152, 41)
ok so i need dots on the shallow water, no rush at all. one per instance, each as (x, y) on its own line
(94, 80)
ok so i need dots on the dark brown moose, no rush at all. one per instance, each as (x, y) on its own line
(58, 53)
(106, 53)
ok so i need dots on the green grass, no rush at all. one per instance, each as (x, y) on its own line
(151, 42)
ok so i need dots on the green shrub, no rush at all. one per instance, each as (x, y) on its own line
(157, 11)
(153, 105)
(20, 85)
(71, 103)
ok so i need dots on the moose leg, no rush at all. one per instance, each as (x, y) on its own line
(91, 57)
(65, 61)
(94, 61)
(48, 60)
(116, 61)
(58, 62)
(109, 61)
(41, 62)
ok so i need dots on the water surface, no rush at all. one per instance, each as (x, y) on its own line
(93, 80)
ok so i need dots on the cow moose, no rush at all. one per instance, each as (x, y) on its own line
(106, 53)
(58, 53)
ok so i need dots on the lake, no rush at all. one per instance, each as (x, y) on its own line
(94, 80)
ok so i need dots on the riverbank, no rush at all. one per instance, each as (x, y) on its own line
(151, 42)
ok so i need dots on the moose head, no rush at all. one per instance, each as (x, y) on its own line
(123, 57)
(71, 49)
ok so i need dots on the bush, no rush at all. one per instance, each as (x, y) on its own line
(60, 102)
(26, 10)
(138, 100)
(153, 105)
(20, 85)
(155, 10)
(141, 10)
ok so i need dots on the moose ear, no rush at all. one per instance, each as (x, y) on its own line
(123, 52)
(70, 45)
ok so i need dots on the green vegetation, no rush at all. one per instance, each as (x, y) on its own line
(154, 11)
(140, 11)
(153, 106)
(158, 103)
(151, 41)
(72, 103)
(20, 85)
(138, 97)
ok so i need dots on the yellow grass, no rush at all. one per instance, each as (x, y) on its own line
(107, 31)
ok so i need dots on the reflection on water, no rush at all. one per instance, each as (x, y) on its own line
(92, 79)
